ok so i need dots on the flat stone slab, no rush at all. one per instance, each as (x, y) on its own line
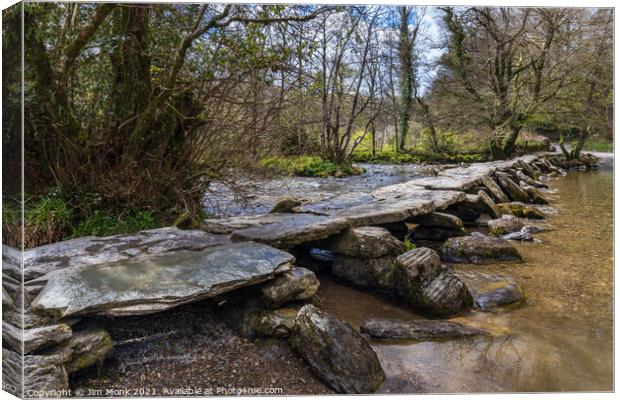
(93, 250)
(157, 283)
(400, 207)
(337, 203)
(417, 329)
(289, 230)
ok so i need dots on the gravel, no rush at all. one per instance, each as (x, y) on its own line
(189, 351)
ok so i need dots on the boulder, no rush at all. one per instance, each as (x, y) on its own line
(496, 191)
(521, 210)
(441, 220)
(513, 190)
(435, 233)
(478, 249)
(34, 338)
(365, 242)
(336, 353)
(417, 329)
(369, 273)
(428, 286)
(157, 283)
(491, 291)
(286, 205)
(506, 224)
(294, 285)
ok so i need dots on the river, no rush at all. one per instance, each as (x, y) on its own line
(561, 339)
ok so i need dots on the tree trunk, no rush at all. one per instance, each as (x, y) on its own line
(406, 77)
(131, 84)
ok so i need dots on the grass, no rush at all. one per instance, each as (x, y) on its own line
(307, 166)
(50, 218)
(597, 144)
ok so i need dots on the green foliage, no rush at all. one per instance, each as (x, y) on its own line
(392, 157)
(307, 166)
(47, 211)
(597, 144)
(409, 245)
(101, 223)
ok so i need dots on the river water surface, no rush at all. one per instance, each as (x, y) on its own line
(561, 339)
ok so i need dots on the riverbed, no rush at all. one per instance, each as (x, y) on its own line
(561, 339)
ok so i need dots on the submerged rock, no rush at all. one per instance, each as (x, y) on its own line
(370, 273)
(491, 291)
(294, 285)
(506, 224)
(478, 249)
(513, 190)
(428, 286)
(417, 329)
(339, 355)
(157, 283)
(365, 242)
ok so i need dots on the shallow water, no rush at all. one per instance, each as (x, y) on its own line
(561, 339)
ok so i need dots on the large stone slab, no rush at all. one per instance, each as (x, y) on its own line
(339, 355)
(92, 250)
(514, 191)
(494, 189)
(391, 208)
(289, 230)
(156, 283)
(441, 220)
(417, 329)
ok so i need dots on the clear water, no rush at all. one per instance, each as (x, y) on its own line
(561, 339)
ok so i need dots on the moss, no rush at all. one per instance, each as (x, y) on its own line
(409, 245)
(314, 166)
